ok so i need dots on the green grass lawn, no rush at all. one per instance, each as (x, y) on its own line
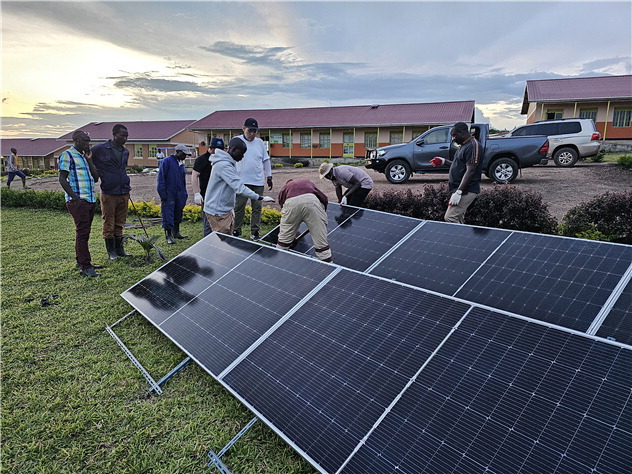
(72, 401)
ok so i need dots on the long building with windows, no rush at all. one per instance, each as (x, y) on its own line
(605, 99)
(327, 132)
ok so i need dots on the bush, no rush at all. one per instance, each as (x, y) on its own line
(53, 200)
(277, 165)
(608, 215)
(298, 165)
(625, 161)
(293, 161)
(135, 169)
(599, 157)
(504, 207)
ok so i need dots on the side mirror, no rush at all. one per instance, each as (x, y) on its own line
(419, 142)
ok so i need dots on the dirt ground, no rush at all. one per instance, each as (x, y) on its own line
(561, 188)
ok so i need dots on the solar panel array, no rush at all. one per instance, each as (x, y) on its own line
(361, 374)
(559, 280)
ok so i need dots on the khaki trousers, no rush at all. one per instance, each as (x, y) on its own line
(114, 214)
(456, 214)
(223, 224)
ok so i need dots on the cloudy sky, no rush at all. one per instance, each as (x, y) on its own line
(65, 64)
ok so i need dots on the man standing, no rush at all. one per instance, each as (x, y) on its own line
(465, 172)
(356, 180)
(77, 175)
(255, 171)
(224, 184)
(201, 174)
(172, 189)
(301, 201)
(160, 156)
(110, 159)
(12, 168)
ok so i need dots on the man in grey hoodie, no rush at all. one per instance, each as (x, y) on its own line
(224, 185)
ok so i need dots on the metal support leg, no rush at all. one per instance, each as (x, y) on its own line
(215, 458)
(172, 372)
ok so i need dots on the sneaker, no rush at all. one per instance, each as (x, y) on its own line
(89, 272)
(255, 236)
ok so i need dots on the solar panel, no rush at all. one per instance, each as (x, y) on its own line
(329, 372)
(558, 280)
(618, 323)
(440, 257)
(507, 395)
(244, 290)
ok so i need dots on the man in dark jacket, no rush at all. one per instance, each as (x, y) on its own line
(200, 176)
(172, 189)
(110, 159)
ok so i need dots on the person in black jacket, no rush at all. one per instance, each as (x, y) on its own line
(110, 159)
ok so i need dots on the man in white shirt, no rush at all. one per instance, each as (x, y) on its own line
(254, 170)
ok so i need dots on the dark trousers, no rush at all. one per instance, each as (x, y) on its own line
(171, 211)
(82, 212)
(358, 197)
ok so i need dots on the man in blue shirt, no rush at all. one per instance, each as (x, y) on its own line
(110, 159)
(172, 189)
(77, 176)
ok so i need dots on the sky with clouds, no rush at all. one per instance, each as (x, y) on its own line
(65, 64)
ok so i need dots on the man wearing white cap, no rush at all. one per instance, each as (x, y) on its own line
(172, 189)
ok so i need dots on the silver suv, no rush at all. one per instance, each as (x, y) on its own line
(569, 139)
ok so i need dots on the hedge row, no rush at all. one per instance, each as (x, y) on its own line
(607, 217)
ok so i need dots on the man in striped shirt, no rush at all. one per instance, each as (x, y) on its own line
(77, 176)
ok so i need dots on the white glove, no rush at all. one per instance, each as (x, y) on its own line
(455, 199)
(198, 199)
(343, 201)
(267, 199)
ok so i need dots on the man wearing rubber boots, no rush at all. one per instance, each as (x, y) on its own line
(172, 190)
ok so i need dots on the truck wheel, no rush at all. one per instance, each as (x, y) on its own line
(397, 171)
(503, 170)
(565, 157)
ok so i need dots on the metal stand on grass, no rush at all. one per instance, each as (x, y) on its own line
(215, 458)
(155, 386)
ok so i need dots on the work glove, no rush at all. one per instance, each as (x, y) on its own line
(198, 199)
(437, 161)
(455, 199)
(269, 183)
(343, 201)
(268, 198)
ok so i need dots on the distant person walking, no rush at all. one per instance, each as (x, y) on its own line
(224, 185)
(12, 168)
(465, 173)
(172, 189)
(110, 159)
(255, 171)
(301, 201)
(77, 176)
(200, 176)
(356, 180)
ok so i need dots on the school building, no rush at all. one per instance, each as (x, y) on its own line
(605, 99)
(328, 132)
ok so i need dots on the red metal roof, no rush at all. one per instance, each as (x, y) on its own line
(350, 116)
(160, 130)
(31, 146)
(580, 88)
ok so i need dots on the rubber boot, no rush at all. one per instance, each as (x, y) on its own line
(169, 236)
(176, 232)
(120, 250)
(110, 245)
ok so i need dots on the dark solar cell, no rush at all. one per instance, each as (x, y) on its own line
(509, 403)
(558, 280)
(440, 257)
(328, 373)
(618, 323)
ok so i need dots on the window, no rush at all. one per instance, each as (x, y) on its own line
(138, 151)
(324, 140)
(370, 139)
(287, 141)
(566, 128)
(588, 114)
(306, 140)
(438, 136)
(152, 151)
(396, 138)
(554, 114)
(622, 117)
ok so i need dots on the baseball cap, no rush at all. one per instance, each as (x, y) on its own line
(251, 123)
(217, 143)
(184, 148)
(324, 169)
